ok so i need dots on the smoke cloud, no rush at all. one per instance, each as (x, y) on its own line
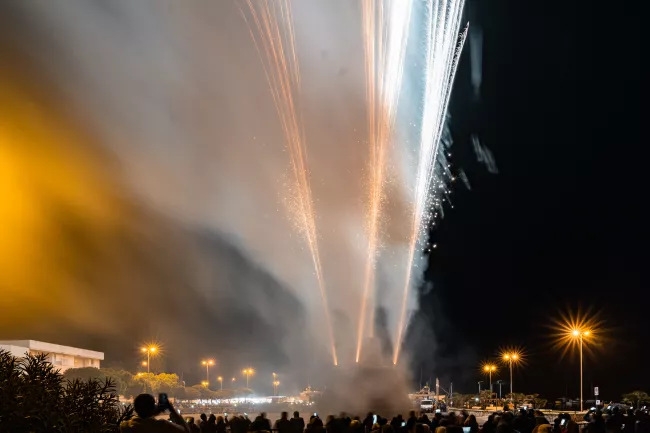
(144, 174)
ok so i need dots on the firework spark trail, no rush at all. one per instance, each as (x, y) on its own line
(276, 46)
(385, 32)
(442, 53)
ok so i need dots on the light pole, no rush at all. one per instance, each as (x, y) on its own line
(479, 388)
(220, 379)
(207, 363)
(151, 349)
(580, 334)
(233, 382)
(248, 372)
(511, 358)
(275, 387)
(489, 369)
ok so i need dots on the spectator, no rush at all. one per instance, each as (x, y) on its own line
(283, 425)
(297, 423)
(472, 424)
(145, 422)
(261, 423)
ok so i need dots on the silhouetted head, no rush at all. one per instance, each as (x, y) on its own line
(212, 419)
(284, 415)
(203, 417)
(296, 414)
(412, 414)
(145, 406)
(263, 415)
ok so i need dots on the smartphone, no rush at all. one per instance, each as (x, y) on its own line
(437, 410)
(225, 414)
(403, 423)
(245, 414)
(374, 419)
(189, 420)
(315, 414)
(466, 429)
(563, 421)
(163, 402)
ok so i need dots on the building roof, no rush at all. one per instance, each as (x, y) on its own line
(41, 346)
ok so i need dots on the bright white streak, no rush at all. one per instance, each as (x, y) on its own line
(443, 46)
(385, 38)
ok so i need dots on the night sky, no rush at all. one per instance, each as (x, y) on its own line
(563, 225)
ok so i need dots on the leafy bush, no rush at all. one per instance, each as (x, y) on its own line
(35, 397)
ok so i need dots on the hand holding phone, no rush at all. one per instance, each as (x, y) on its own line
(163, 402)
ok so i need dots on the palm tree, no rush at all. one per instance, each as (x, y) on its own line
(636, 396)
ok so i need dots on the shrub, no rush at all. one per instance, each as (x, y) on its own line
(35, 397)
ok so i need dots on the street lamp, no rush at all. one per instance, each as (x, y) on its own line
(579, 335)
(205, 383)
(220, 379)
(489, 369)
(275, 387)
(479, 388)
(511, 358)
(207, 363)
(233, 382)
(500, 382)
(149, 350)
(248, 372)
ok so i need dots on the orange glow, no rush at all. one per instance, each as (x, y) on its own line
(514, 355)
(571, 328)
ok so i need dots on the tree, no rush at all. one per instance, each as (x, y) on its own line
(636, 397)
(188, 393)
(122, 379)
(485, 396)
(35, 397)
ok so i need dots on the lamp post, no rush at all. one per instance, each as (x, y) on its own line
(500, 382)
(233, 382)
(511, 358)
(275, 387)
(489, 369)
(207, 363)
(220, 379)
(248, 372)
(479, 388)
(149, 351)
(579, 335)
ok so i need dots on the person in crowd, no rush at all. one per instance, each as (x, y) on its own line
(411, 422)
(629, 421)
(396, 422)
(315, 426)
(596, 423)
(222, 424)
(424, 419)
(472, 424)
(297, 423)
(261, 423)
(368, 422)
(283, 425)
(355, 426)
(204, 422)
(145, 422)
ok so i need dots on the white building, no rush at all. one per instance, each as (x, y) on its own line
(62, 357)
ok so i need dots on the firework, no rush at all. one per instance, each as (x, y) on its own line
(442, 51)
(273, 23)
(385, 31)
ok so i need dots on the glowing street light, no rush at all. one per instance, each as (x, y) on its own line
(511, 357)
(248, 372)
(150, 350)
(580, 334)
(220, 379)
(205, 383)
(207, 363)
(489, 369)
(275, 387)
(572, 329)
(233, 381)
